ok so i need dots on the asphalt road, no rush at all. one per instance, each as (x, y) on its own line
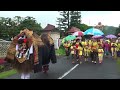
(64, 69)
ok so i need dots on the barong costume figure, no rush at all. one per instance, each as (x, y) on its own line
(26, 53)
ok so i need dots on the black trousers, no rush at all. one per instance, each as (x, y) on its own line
(67, 52)
(77, 56)
(94, 56)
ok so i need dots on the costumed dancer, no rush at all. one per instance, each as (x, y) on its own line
(67, 48)
(48, 52)
(94, 53)
(73, 52)
(86, 53)
(118, 53)
(80, 52)
(118, 50)
(100, 53)
(106, 47)
(113, 49)
(77, 50)
(84, 44)
(23, 54)
(90, 43)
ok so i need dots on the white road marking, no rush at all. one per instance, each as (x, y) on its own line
(68, 72)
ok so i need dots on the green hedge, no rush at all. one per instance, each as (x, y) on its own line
(60, 51)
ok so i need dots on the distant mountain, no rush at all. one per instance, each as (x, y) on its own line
(109, 30)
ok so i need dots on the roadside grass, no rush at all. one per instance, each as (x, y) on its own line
(60, 51)
(5, 74)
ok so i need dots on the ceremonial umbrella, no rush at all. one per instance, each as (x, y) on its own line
(97, 37)
(78, 33)
(70, 37)
(111, 36)
(93, 31)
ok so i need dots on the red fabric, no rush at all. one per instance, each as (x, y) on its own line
(76, 45)
(25, 40)
(2, 61)
(80, 33)
(107, 46)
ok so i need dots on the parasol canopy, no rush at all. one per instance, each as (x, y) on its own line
(111, 36)
(70, 37)
(93, 31)
(78, 33)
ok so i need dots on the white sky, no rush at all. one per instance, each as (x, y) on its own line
(111, 18)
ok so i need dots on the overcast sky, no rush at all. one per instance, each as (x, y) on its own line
(111, 18)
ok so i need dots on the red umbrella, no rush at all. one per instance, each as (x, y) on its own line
(78, 33)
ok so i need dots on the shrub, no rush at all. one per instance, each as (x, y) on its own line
(60, 51)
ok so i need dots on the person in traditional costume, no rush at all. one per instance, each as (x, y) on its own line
(106, 46)
(48, 52)
(73, 52)
(113, 48)
(84, 44)
(80, 52)
(23, 53)
(100, 53)
(89, 43)
(77, 50)
(118, 49)
(67, 47)
(94, 53)
(86, 53)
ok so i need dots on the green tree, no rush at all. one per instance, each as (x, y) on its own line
(75, 18)
(84, 27)
(5, 25)
(9, 27)
(64, 21)
(117, 30)
(30, 23)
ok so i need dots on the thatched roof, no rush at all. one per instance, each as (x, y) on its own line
(49, 27)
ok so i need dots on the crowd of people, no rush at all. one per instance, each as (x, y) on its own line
(92, 49)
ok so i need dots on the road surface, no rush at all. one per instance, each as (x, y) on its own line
(64, 69)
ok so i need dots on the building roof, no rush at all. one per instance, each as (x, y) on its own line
(49, 27)
(73, 29)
